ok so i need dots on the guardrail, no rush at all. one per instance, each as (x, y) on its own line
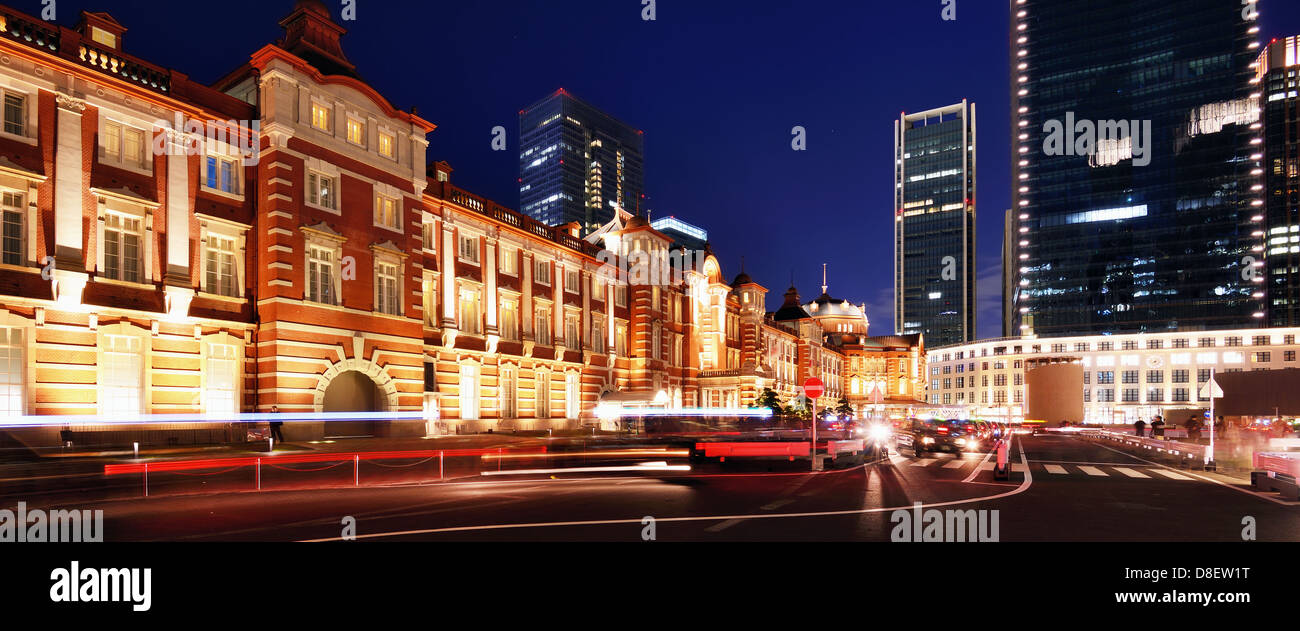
(1184, 453)
(1276, 471)
(257, 462)
(722, 451)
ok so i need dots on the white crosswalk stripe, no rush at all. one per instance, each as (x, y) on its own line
(924, 462)
(1055, 468)
(1170, 474)
(954, 464)
(1131, 473)
(1094, 471)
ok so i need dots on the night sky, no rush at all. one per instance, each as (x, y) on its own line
(716, 86)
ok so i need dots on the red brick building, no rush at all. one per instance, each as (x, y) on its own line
(280, 239)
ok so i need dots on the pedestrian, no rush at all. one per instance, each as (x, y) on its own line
(1158, 427)
(276, 425)
(1193, 426)
(1140, 428)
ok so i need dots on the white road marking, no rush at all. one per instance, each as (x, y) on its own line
(1131, 473)
(1024, 486)
(1171, 474)
(980, 467)
(954, 464)
(777, 504)
(1094, 471)
(924, 462)
(988, 466)
(1258, 494)
(724, 525)
(1055, 468)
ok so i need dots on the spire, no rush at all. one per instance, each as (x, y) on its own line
(824, 278)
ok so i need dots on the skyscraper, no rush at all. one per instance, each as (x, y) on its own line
(684, 235)
(577, 163)
(934, 224)
(1277, 69)
(1010, 240)
(1133, 166)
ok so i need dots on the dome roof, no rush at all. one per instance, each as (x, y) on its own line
(741, 279)
(790, 309)
(827, 307)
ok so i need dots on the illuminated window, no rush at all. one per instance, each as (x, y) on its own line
(321, 273)
(221, 380)
(13, 208)
(572, 394)
(15, 113)
(387, 213)
(356, 132)
(471, 321)
(542, 272)
(121, 383)
(469, 392)
(11, 373)
(572, 322)
(597, 334)
(469, 248)
(219, 266)
(122, 248)
(123, 146)
(509, 325)
(543, 394)
(509, 261)
(322, 190)
(542, 325)
(387, 145)
(320, 117)
(101, 36)
(387, 288)
(509, 394)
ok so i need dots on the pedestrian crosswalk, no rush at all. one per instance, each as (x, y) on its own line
(977, 463)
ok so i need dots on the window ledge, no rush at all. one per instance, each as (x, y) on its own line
(220, 298)
(23, 138)
(219, 193)
(125, 283)
(319, 207)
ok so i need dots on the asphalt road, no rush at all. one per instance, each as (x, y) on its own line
(1063, 489)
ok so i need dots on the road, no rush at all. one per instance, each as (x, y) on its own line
(1064, 488)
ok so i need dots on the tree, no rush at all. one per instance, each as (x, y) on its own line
(768, 398)
(843, 408)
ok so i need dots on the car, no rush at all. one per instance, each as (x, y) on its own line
(921, 436)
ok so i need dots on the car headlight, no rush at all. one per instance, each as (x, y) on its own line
(879, 432)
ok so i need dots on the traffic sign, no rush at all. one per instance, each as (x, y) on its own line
(813, 387)
(1211, 389)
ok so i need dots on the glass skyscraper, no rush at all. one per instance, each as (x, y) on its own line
(1134, 160)
(1277, 79)
(934, 224)
(577, 163)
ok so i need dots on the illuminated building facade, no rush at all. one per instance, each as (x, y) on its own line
(1135, 153)
(934, 223)
(1277, 69)
(684, 235)
(289, 245)
(577, 163)
(1125, 376)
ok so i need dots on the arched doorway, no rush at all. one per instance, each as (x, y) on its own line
(352, 391)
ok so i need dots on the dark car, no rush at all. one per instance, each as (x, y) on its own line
(923, 436)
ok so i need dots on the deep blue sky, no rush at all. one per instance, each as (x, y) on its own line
(716, 85)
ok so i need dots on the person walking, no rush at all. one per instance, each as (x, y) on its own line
(1158, 427)
(1140, 427)
(276, 425)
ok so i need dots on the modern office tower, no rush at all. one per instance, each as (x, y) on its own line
(1010, 238)
(577, 163)
(1133, 166)
(934, 224)
(1277, 69)
(684, 235)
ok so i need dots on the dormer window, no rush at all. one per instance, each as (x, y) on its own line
(102, 36)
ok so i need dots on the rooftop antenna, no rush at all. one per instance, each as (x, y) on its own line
(823, 278)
